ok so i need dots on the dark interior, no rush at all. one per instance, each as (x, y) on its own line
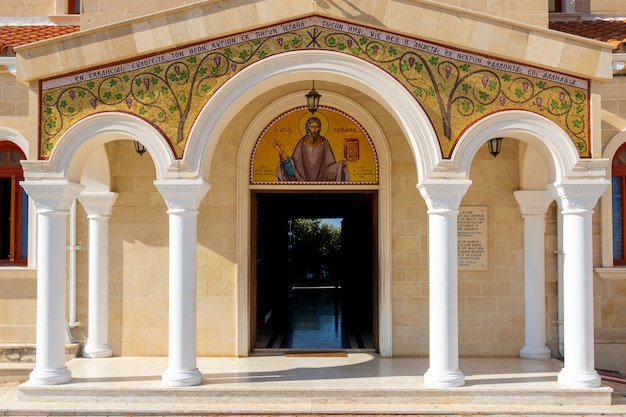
(301, 302)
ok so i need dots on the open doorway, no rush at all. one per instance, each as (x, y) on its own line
(314, 281)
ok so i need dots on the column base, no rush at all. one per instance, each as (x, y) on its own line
(528, 352)
(579, 379)
(93, 352)
(49, 376)
(182, 378)
(444, 379)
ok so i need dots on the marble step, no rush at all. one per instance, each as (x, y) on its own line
(306, 398)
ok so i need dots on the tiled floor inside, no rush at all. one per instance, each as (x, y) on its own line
(315, 322)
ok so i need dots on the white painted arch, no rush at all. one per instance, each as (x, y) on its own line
(550, 141)
(82, 139)
(74, 146)
(606, 202)
(16, 138)
(334, 67)
(67, 158)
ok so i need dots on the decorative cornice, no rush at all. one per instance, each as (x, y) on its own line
(616, 273)
(443, 195)
(98, 204)
(576, 195)
(182, 195)
(52, 195)
(533, 202)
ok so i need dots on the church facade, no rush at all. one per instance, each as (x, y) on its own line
(470, 155)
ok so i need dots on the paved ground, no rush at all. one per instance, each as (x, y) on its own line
(13, 375)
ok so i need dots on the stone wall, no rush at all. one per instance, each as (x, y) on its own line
(18, 289)
(13, 104)
(102, 12)
(608, 7)
(27, 8)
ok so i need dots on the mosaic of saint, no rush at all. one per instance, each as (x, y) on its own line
(455, 89)
(322, 147)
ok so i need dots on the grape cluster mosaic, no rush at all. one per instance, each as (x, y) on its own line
(454, 88)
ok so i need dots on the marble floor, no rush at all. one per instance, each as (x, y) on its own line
(305, 375)
(358, 383)
(315, 322)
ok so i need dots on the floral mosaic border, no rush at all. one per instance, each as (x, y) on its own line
(455, 88)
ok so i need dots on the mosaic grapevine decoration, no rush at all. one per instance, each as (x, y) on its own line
(454, 88)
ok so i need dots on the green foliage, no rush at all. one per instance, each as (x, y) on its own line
(315, 243)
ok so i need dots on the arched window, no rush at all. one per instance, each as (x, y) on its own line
(618, 195)
(13, 207)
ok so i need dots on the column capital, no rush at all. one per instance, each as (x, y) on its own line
(443, 195)
(182, 195)
(98, 204)
(533, 202)
(577, 195)
(54, 195)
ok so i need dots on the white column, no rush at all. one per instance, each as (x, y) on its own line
(533, 206)
(183, 198)
(577, 199)
(53, 200)
(443, 199)
(98, 206)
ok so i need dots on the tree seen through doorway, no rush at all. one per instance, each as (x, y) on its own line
(315, 251)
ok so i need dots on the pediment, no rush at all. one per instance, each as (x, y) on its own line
(421, 19)
(168, 87)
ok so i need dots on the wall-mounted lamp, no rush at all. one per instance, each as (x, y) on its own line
(494, 146)
(312, 99)
(139, 148)
(618, 65)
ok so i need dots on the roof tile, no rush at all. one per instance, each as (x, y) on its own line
(610, 31)
(11, 36)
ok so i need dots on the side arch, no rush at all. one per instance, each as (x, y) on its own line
(82, 139)
(550, 141)
(15, 137)
(304, 66)
(21, 237)
(606, 202)
(614, 144)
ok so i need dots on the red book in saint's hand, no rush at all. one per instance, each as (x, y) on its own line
(351, 149)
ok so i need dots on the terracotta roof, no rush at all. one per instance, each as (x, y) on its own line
(11, 36)
(611, 31)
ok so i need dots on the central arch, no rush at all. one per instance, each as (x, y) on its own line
(384, 223)
(304, 66)
(328, 66)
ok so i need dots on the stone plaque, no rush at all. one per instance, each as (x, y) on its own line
(472, 238)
